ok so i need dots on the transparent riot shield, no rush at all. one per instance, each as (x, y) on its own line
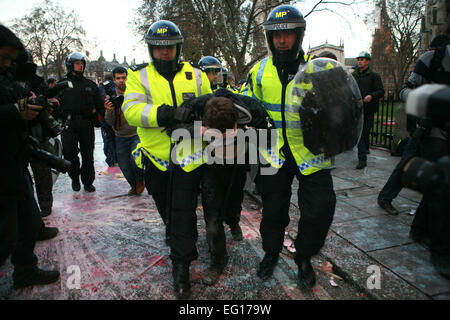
(325, 100)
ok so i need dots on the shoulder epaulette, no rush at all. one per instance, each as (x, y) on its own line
(139, 66)
(194, 65)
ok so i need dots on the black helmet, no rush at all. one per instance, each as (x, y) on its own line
(71, 58)
(164, 33)
(209, 64)
(285, 17)
(224, 75)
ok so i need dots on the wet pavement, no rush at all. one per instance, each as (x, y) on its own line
(115, 243)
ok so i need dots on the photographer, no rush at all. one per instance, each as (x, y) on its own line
(20, 219)
(431, 138)
(83, 103)
(126, 138)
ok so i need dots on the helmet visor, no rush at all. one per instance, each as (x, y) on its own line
(213, 70)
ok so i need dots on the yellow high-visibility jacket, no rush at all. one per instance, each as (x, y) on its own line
(146, 91)
(266, 87)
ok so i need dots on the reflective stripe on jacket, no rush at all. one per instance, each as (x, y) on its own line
(266, 87)
(146, 91)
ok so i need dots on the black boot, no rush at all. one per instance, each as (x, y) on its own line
(361, 164)
(89, 188)
(442, 264)
(267, 265)
(182, 287)
(306, 275)
(76, 185)
(236, 232)
(47, 233)
(25, 277)
(215, 270)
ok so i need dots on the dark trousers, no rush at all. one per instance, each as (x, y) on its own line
(183, 217)
(181, 189)
(20, 222)
(393, 186)
(43, 180)
(80, 138)
(156, 182)
(364, 141)
(316, 200)
(432, 217)
(109, 144)
(124, 148)
(222, 195)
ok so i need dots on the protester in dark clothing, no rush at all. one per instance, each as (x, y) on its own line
(372, 91)
(83, 103)
(20, 219)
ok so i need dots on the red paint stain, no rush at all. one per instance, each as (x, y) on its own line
(94, 289)
(97, 273)
(362, 295)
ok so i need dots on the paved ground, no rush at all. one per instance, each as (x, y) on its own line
(116, 243)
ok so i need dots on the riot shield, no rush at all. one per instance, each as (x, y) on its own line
(325, 99)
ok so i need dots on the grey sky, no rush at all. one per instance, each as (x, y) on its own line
(106, 24)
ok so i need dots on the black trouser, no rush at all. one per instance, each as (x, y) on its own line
(183, 217)
(43, 180)
(80, 138)
(156, 182)
(393, 186)
(181, 223)
(316, 200)
(432, 217)
(364, 141)
(20, 222)
(222, 195)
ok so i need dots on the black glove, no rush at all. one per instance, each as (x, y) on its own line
(168, 116)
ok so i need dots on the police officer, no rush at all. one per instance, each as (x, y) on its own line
(212, 67)
(153, 98)
(20, 219)
(83, 103)
(269, 81)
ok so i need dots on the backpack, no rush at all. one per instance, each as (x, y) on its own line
(437, 73)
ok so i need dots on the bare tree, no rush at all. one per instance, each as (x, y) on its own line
(228, 29)
(396, 42)
(50, 33)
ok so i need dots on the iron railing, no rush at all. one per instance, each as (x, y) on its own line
(382, 132)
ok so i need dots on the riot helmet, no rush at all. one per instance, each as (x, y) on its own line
(164, 33)
(71, 59)
(283, 18)
(224, 76)
(210, 64)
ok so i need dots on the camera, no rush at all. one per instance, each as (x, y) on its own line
(51, 127)
(430, 103)
(111, 94)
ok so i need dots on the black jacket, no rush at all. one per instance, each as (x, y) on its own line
(13, 132)
(369, 82)
(82, 99)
